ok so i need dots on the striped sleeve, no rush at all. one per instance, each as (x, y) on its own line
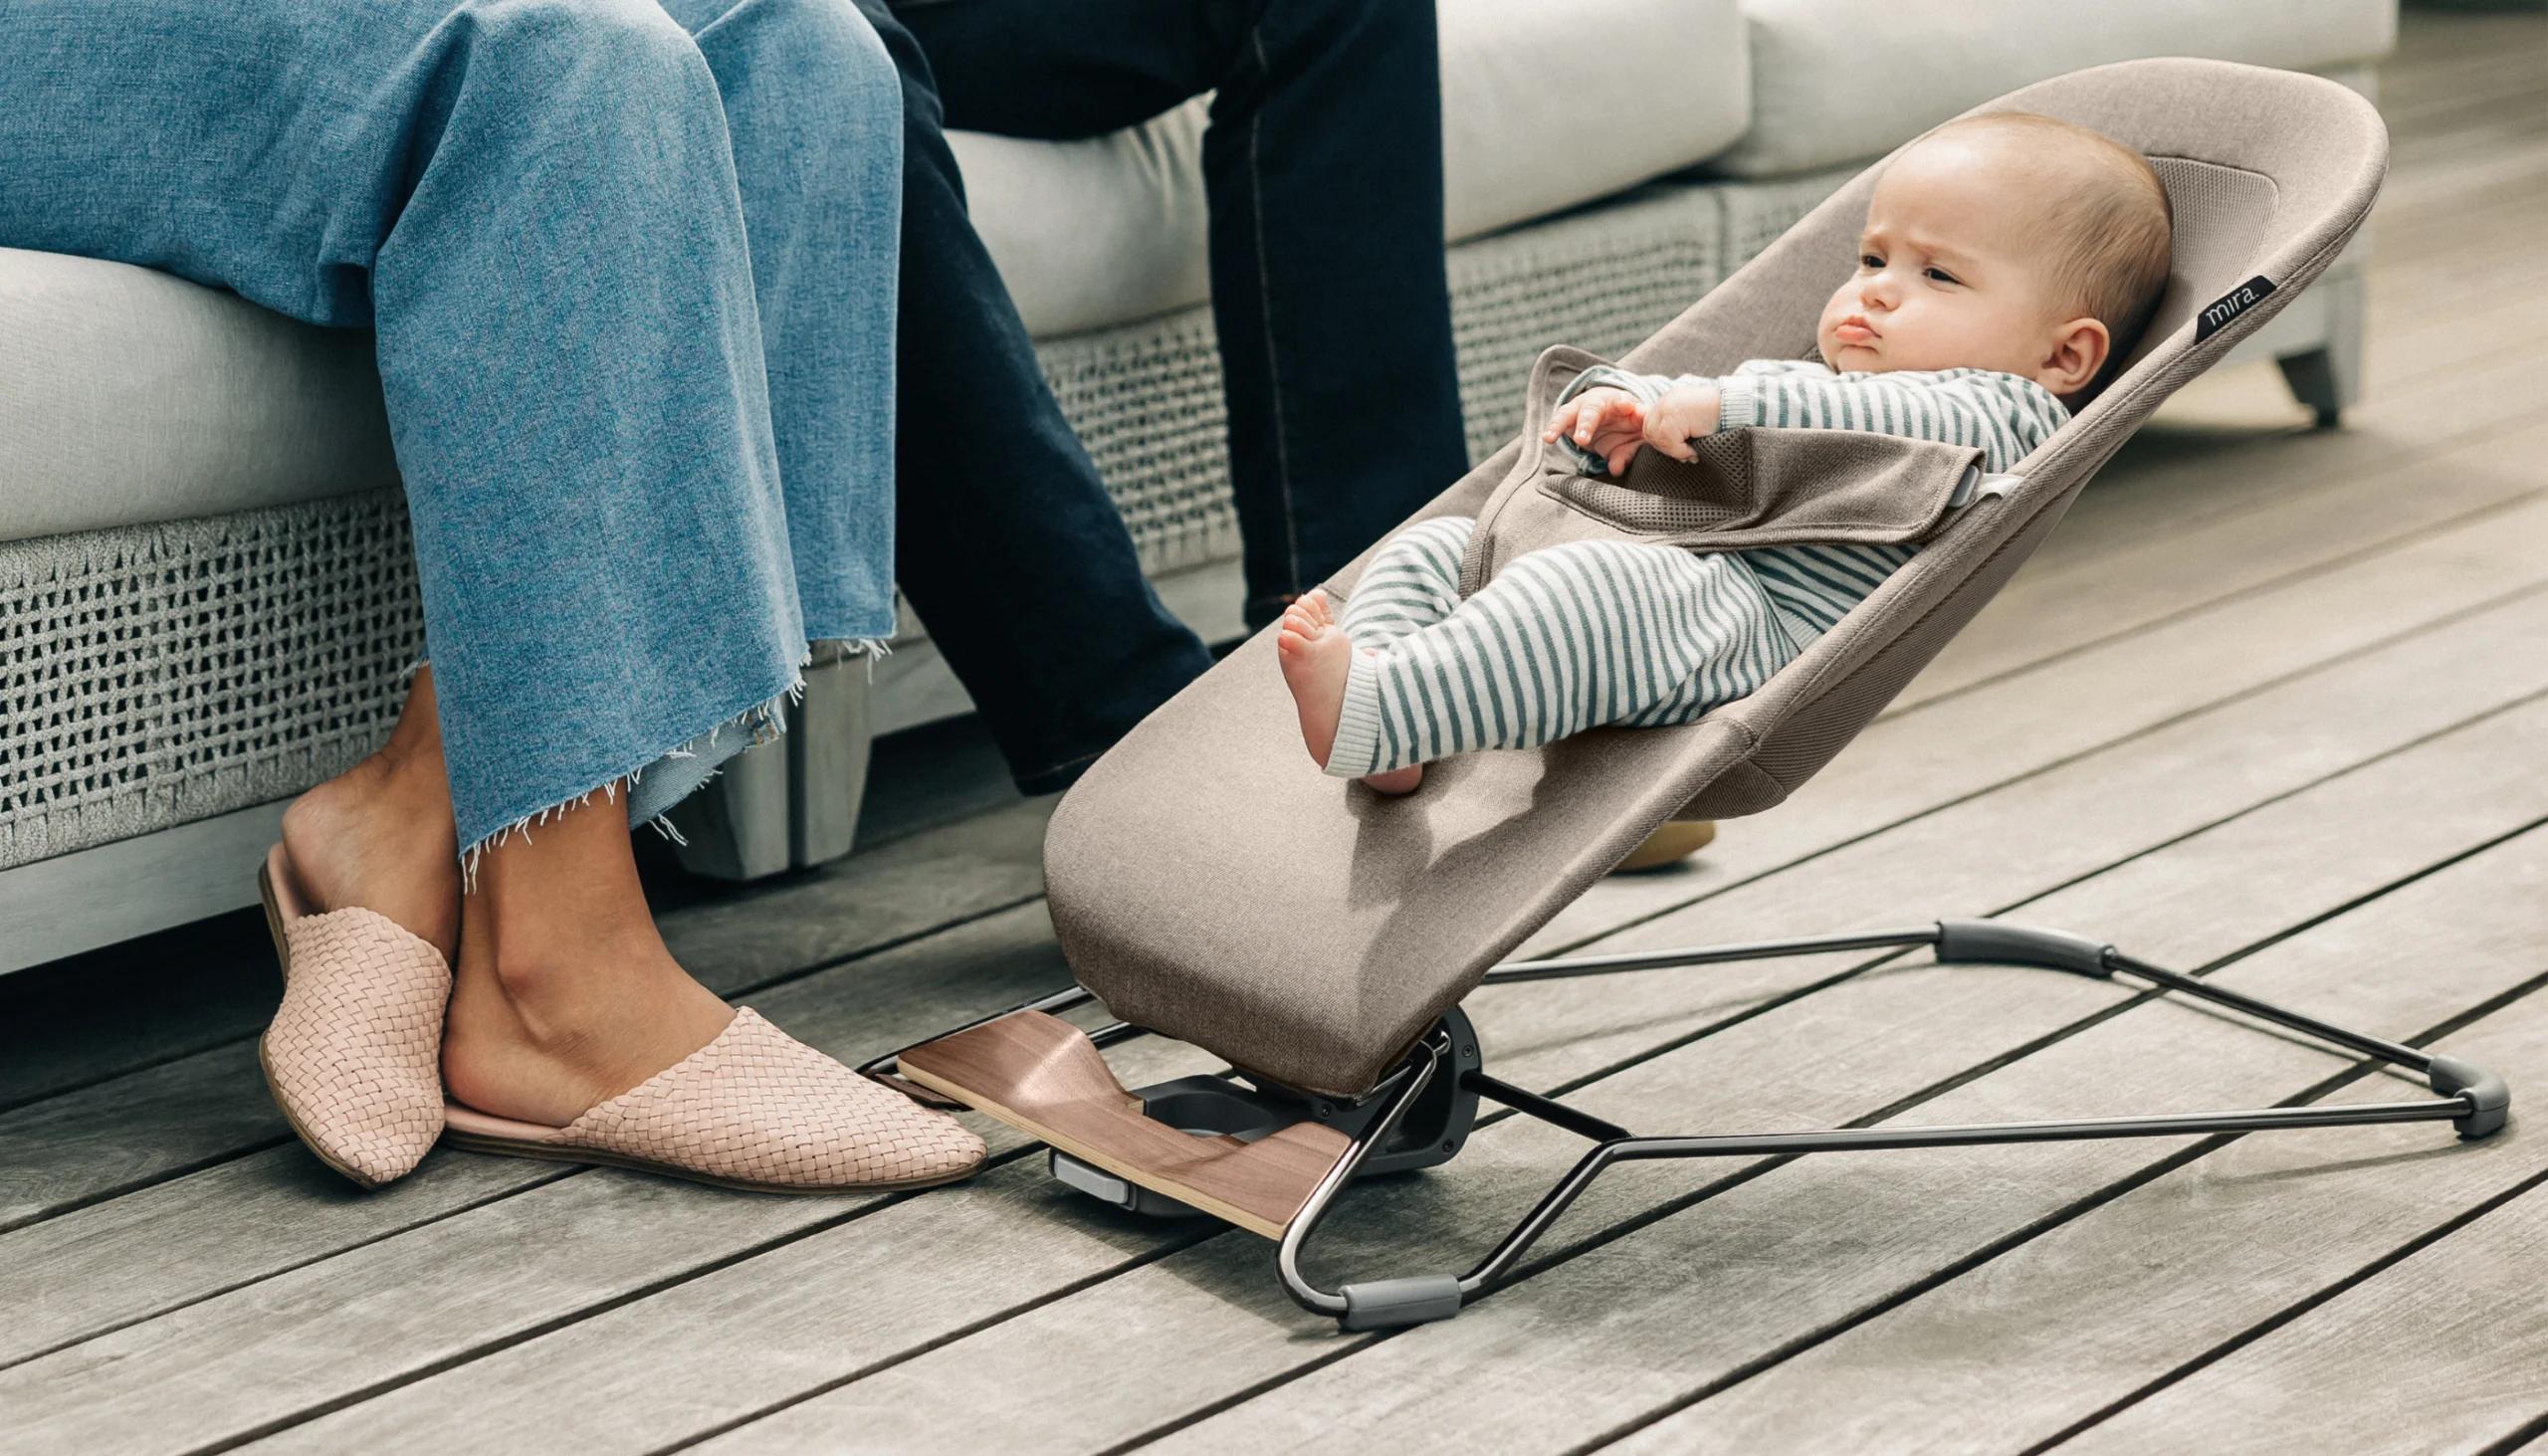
(2003, 415)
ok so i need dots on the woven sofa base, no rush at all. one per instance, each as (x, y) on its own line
(153, 676)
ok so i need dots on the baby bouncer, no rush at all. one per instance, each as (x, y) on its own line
(1337, 1002)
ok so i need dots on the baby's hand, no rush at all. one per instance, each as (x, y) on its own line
(1685, 413)
(1608, 422)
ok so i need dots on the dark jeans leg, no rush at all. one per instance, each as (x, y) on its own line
(1325, 167)
(1006, 539)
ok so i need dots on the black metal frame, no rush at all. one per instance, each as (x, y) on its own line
(2472, 1099)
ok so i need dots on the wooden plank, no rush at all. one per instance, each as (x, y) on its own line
(2072, 1322)
(2447, 1351)
(1039, 1075)
(126, 1260)
(129, 1132)
(909, 887)
(1671, 1309)
(992, 1396)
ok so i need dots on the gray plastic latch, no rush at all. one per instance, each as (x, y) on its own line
(1096, 1183)
(1385, 1303)
(2008, 945)
(2489, 1098)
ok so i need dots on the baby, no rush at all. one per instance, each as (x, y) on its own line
(2006, 259)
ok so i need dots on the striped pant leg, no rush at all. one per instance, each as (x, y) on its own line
(1413, 583)
(1564, 639)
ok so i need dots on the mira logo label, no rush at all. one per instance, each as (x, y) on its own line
(2230, 304)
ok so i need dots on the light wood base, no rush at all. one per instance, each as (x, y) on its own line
(1041, 1076)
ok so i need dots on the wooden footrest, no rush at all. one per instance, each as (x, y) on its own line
(1040, 1075)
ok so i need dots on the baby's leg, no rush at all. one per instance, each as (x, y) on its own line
(1564, 638)
(1413, 583)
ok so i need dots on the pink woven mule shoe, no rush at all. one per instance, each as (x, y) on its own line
(755, 1109)
(354, 1055)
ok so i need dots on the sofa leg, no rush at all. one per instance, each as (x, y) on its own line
(789, 804)
(2328, 378)
(829, 737)
(735, 826)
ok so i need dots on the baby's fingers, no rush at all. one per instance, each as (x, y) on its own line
(1563, 420)
(1592, 412)
(1669, 432)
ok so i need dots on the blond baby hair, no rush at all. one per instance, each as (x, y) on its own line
(2107, 227)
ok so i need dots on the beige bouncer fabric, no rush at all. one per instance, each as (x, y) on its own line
(1210, 881)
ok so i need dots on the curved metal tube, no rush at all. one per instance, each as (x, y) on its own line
(1287, 1257)
(1514, 970)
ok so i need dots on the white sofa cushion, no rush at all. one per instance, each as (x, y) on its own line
(1834, 80)
(1542, 108)
(128, 396)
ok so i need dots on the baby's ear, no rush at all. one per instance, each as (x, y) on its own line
(2078, 352)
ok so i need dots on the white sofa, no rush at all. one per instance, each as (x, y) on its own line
(205, 596)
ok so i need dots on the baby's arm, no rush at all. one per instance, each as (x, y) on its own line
(2006, 416)
(2003, 414)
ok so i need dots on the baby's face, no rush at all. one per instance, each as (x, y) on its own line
(1944, 279)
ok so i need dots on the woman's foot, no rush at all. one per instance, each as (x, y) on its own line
(380, 835)
(574, 1034)
(566, 996)
(1316, 656)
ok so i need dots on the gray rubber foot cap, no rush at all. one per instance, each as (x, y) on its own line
(2492, 1099)
(1385, 1303)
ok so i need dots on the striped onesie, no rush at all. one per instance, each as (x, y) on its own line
(1628, 633)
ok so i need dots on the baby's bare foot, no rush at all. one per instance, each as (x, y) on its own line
(1316, 656)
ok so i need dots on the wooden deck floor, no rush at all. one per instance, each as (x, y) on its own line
(2273, 705)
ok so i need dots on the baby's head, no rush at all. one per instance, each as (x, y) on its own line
(2008, 242)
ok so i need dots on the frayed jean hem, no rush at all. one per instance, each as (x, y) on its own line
(652, 788)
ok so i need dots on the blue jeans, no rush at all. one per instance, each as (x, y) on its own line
(631, 268)
(1324, 166)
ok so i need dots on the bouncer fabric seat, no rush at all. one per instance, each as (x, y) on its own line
(1208, 882)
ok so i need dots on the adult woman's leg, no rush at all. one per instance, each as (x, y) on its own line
(564, 993)
(536, 203)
